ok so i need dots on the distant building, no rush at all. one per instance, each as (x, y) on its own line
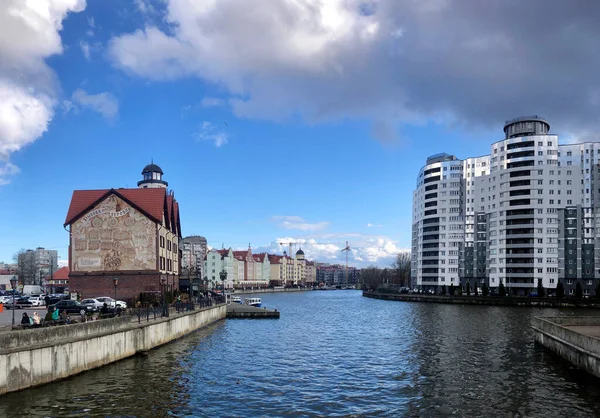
(193, 257)
(526, 213)
(34, 265)
(335, 274)
(58, 282)
(218, 261)
(131, 235)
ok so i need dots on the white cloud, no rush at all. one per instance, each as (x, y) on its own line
(365, 250)
(212, 102)
(29, 33)
(85, 49)
(296, 222)
(92, 25)
(370, 225)
(209, 132)
(387, 61)
(145, 7)
(104, 103)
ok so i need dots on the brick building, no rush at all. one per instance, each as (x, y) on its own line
(131, 235)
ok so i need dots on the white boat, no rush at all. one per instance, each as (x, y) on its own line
(236, 299)
(253, 302)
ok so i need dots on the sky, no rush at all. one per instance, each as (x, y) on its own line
(299, 121)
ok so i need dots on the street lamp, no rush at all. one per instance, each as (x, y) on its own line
(223, 277)
(115, 283)
(13, 285)
(163, 283)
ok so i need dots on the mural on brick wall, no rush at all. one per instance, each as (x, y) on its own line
(113, 237)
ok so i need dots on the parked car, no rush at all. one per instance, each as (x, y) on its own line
(110, 302)
(36, 301)
(122, 304)
(94, 303)
(72, 307)
(6, 300)
(23, 302)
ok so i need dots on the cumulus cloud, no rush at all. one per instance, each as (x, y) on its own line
(365, 250)
(85, 49)
(209, 132)
(393, 62)
(29, 33)
(299, 223)
(212, 102)
(104, 103)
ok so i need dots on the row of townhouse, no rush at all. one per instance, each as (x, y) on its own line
(243, 269)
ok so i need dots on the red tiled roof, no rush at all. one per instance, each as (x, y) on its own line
(240, 254)
(259, 257)
(274, 259)
(170, 212)
(61, 273)
(177, 222)
(223, 251)
(151, 201)
(81, 200)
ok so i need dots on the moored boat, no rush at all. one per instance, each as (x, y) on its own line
(253, 302)
(236, 299)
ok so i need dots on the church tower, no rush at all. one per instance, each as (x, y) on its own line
(152, 177)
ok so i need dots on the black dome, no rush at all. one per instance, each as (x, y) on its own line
(300, 252)
(152, 168)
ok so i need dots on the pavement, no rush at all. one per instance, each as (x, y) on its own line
(589, 330)
(6, 316)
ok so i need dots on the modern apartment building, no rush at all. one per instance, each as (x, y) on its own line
(524, 213)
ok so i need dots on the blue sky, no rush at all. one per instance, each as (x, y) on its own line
(284, 123)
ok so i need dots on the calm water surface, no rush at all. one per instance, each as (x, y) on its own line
(335, 353)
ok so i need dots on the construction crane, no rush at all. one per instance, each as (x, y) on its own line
(347, 249)
(291, 244)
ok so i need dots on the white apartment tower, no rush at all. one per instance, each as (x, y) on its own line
(522, 214)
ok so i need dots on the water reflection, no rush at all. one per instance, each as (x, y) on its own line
(335, 354)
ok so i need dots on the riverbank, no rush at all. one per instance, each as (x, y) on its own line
(488, 300)
(575, 339)
(37, 356)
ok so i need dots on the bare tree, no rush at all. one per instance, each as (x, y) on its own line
(26, 266)
(371, 277)
(402, 268)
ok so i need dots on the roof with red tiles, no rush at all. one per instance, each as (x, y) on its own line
(260, 257)
(177, 217)
(61, 274)
(274, 259)
(170, 216)
(240, 253)
(149, 201)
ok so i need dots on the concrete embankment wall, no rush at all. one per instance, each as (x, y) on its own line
(37, 356)
(487, 300)
(583, 351)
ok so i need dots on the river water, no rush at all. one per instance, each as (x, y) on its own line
(335, 353)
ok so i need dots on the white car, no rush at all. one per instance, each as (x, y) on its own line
(122, 304)
(5, 299)
(94, 303)
(36, 301)
(110, 302)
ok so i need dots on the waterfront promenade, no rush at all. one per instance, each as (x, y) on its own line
(488, 300)
(41, 355)
(574, 338)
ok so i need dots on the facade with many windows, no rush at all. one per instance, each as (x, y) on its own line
(526, 213)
